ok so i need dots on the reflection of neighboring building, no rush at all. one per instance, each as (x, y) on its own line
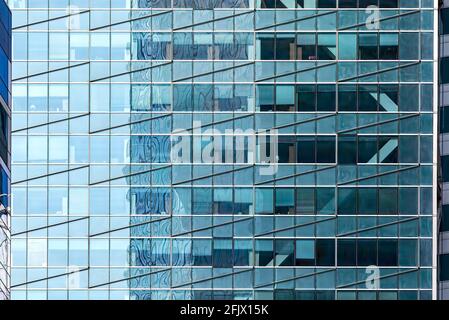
(5, 152)
(101, 210)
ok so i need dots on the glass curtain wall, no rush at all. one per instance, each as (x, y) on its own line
(102, 211)
(5, 149)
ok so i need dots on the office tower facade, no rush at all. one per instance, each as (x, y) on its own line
(443, 262)
(224, 149)
(5, 150)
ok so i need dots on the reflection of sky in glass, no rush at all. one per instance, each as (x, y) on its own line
(97, 95)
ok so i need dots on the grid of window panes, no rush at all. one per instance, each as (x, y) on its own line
(100, 212)
(5, 151)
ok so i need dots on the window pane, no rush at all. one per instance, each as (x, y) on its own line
(305, 203)
(306, 150)
(388, 46)
(306, 47)
(325, 148)
(325, 200)
(285, 201)
(326, 47)
(368, 46)
(366, 252)
(284, 252)
(306, 98)
(346, 252)
(264, 252)
(347, 43)
(264, 201)
(388, 252)
(305, 253)
(325, 252)
(326, 98)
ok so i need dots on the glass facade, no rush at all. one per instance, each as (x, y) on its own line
(443, 259)
(5, 151)
(141, 132)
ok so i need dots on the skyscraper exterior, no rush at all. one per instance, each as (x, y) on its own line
(224, 149)
(5, 151)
